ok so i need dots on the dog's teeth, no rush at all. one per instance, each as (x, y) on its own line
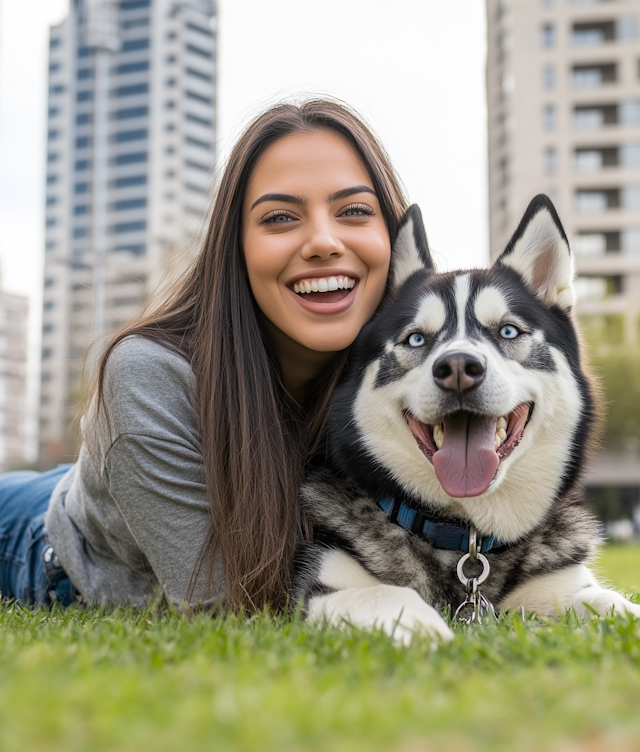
(438, 435)
(501, 433)
(497, 442)
(502, 423)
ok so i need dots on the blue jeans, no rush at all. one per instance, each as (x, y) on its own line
(29, 569)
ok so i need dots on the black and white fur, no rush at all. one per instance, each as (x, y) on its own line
(365, 570)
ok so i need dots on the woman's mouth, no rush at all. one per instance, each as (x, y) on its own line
(325, 294)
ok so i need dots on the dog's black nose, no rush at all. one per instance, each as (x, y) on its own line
(458, 371)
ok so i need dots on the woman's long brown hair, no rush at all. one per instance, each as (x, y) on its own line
(254, 438)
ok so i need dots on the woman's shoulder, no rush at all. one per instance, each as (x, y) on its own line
(146, 385)
(136, 357)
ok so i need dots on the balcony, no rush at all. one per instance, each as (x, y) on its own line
(593, 75)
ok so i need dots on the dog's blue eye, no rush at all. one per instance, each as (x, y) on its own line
(416, 340)
(509, 332)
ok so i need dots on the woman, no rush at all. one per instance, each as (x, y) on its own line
(206, 410)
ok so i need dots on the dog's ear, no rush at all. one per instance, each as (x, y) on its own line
(410, 253)
(539, 252)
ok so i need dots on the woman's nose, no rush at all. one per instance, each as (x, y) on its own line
(323, 242)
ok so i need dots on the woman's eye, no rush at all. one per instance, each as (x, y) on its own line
(277, 218)
(416, 340)
(509, 332)
(357, 210)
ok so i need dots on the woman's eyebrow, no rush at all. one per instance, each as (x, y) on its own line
(286, 197)
(346, 192)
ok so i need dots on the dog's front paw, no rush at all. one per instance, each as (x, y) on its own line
(398, 611)
(602, 601)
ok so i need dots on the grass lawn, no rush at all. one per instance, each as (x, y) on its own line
(132, 681)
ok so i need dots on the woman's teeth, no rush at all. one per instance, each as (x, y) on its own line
(324, 284)
(501, 433)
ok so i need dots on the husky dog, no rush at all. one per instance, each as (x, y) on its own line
(465, 404)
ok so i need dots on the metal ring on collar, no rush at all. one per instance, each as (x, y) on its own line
(483, 575)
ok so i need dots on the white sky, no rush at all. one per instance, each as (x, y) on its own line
(413, 68)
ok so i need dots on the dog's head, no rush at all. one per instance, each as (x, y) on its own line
(466, 391)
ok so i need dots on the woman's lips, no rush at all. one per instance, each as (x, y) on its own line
(334, 301)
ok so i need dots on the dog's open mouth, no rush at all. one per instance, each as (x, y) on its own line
(466, 448)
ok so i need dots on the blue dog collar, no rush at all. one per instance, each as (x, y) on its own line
(439, 534)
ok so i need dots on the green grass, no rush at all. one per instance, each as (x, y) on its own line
(133, 681)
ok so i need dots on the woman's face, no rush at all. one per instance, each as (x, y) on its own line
(315, 243)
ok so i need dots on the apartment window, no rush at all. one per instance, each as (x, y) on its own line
(135, 44)
(85, 118)
(594, 159)
(631, 240)
(52, 135)
(549, 117)
(198, 74)
(84, 96)
(134, 4)
(81, 165)
(51, 179)
(196, 189)
(80, 232)
(548, 35)
(47, 352)
(590, 117)
(51, 200)
(126, 136)
(54, 42)
(142, 65)
(56, 89)
(549, 76)
(132, 112)
(83, 142)
(123, 227)
(134, 23)
(49, 282)
(129, 91)
(126, 159)
(53, 111)
(80, 210)
(50, 245)
(190, 141)
(84, 74)
(590, 244)
(48, 305)
(631, 197)
(51, 222)
(127, 205)
(627, 28)
(199, 29)
(197, 166)
(588, 76)
(81, 188)
(47, 328)
(630, 155)
(135, 249)
(170, 59)
(54, 67)
(199, 51)
(129, 181)
(85, 52)
(598, 287)
(593, 201)
(198, 97)
(52, 157)
(170, 82)
(200, 121)
(593, 33)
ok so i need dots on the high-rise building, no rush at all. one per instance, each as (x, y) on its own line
(563, 82)
(13, 380)
(131, 132)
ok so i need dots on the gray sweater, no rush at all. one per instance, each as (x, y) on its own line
(129, 518)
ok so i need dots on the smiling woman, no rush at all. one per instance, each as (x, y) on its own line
(206, 410)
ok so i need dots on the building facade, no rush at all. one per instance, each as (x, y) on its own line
(563, 83)
(131, 147)
(14, 310)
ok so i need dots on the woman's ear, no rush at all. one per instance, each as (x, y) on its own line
(410, 252)
(539, 253)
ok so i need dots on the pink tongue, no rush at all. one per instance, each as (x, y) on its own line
(467, 461)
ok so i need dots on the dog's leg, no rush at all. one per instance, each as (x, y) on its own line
(361, 600)
(571, 587)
